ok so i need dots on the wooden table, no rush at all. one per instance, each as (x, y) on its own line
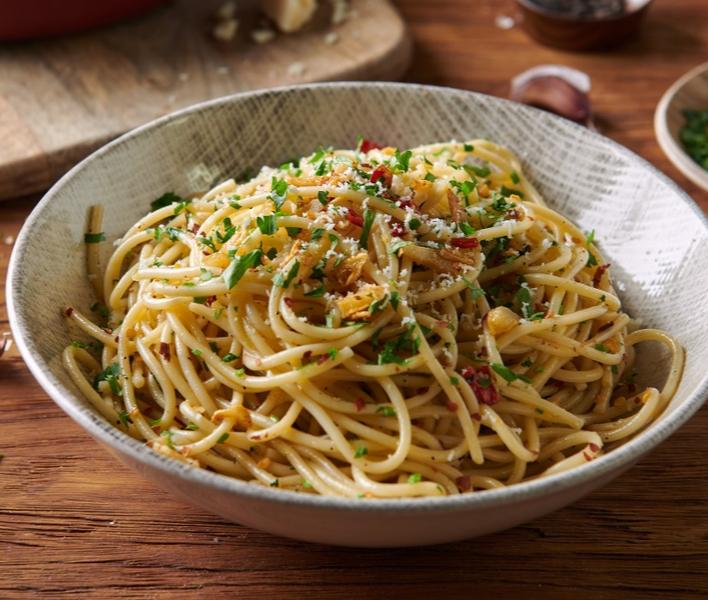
(74, 521)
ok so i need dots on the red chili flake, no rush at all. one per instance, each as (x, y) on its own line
(476, 416)
(194, 227)
(465, 242)
(307, 356)
(594, 447)
(384, 173)
(117, 338)
(354, 218)
(406, 202)
(586, 456)
(367, 145)
(322, 358)
(359, 404)
(464, 483)
(210, 300)
(480, 380)
(597, 277)
(513, 214)
(289, 302)
(452, 406)
(69, 311)
(165, 351)
(397, 230)
(606, 326)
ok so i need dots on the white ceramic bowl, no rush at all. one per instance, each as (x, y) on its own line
(689, 92)
(653, 234)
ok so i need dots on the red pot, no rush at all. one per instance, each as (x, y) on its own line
(23, 19)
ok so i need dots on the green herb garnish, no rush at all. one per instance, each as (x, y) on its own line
(239, 265)
(94, 238)
(165, 200)
(285, 282)
(368, 221)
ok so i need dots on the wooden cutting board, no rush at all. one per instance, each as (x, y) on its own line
(61, 98)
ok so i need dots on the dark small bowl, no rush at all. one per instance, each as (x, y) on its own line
(572, 33)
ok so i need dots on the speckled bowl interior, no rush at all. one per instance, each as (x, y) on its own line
(653, 234)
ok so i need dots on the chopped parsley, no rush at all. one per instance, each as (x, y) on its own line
(401, 161)
(507, 374)
(468, 147)
(602, 348)
(398, 244)
(478, 171)
(515, 177)
(467, 229)
(94, 238)
(285, 282)
(477, 292)
(506, 192)
(167, 435)
(165, 200)
(322, 197)
(386, 411)
(239, 265)
(124, 418)
(266, 224)
(222, 438)
(523, 301)
(229, 357)
(361, 451)
(414, 478)
(395, 300)
(317, 155)
(378, 305)
(192, 426)
(208, 242)
(110, 375)
(366, 229)
(279, 191)
(316, 293)
(229, 230)
(464, 187)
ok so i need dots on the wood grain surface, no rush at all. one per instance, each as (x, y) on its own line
(75, 522)
(63, 97)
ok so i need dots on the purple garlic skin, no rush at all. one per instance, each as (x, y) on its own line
(556, 89)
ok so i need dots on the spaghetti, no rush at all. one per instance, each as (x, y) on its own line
(369, 323)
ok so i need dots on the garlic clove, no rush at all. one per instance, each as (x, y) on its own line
(557, 89)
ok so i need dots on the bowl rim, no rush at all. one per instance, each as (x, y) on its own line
(546, 13)
(672, 149)
(138, 452)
